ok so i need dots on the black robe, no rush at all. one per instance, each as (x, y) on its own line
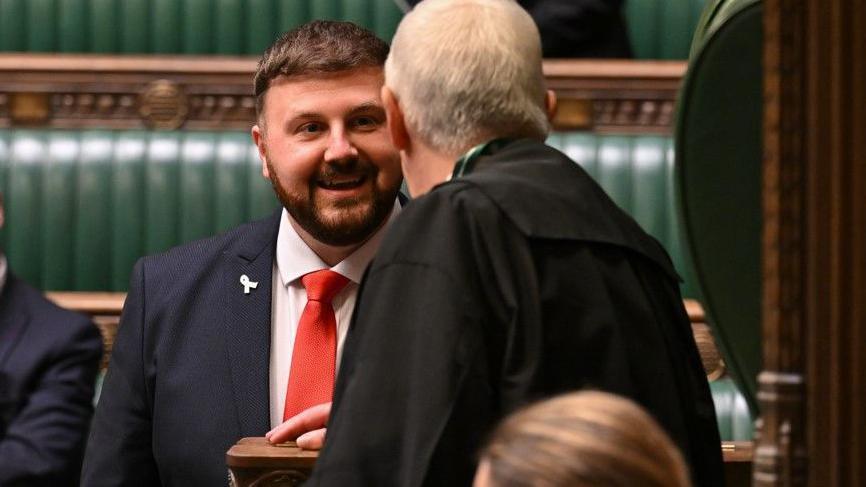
(516, 282)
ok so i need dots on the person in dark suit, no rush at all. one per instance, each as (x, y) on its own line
(510, 277)
(578, 28)
(49, 358)
(227, 337)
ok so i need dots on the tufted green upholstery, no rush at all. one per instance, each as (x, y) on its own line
(82, 206)
(659, 29)
(719, 151)
(732, 411)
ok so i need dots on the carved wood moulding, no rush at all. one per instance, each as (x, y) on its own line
(170, 92)
(813, 387)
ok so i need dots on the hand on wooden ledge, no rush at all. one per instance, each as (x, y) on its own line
(307, 428)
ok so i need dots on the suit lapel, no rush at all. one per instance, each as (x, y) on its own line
(247, 321)
(13, 320)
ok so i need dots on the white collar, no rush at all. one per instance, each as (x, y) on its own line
(4, 270)
(295, 258)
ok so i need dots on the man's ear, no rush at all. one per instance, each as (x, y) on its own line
(396, 121)
(259, 139)
(550, 105)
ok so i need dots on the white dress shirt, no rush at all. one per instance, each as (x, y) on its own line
(294, 259)
(3, 268)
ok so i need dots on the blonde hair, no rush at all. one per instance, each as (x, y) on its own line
(584, 439)
(465, 71)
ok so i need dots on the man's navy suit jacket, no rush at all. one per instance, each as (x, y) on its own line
(189, 371)
(49, 358)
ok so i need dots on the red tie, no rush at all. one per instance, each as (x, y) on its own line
(311, 379)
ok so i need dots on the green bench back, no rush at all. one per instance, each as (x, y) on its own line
(659, 29)
(83, 205)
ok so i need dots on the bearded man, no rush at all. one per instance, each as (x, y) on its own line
(228, 336)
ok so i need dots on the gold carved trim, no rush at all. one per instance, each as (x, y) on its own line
(163, 104)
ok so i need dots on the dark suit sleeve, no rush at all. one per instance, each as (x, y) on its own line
(42, 444)
(119, 450)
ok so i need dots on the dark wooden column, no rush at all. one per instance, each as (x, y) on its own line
(812, 390)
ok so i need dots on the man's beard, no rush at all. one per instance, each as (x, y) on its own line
(362, 215)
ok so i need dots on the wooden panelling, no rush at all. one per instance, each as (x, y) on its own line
(81, 91)
(813, 387)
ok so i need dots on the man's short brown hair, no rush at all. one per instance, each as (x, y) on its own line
(320, 46)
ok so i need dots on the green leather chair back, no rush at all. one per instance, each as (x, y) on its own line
(81, 207)
(719, 147)
(659, 29)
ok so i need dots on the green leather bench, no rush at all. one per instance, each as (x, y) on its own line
(659, 29)
(83, 205)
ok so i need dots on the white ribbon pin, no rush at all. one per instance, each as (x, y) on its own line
(247, 284)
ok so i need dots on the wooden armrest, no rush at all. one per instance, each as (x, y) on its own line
(254, 461)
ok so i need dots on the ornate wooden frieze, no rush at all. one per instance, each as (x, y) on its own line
(162, 92)
(616, 96)
(780, 441)
(170, 92)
